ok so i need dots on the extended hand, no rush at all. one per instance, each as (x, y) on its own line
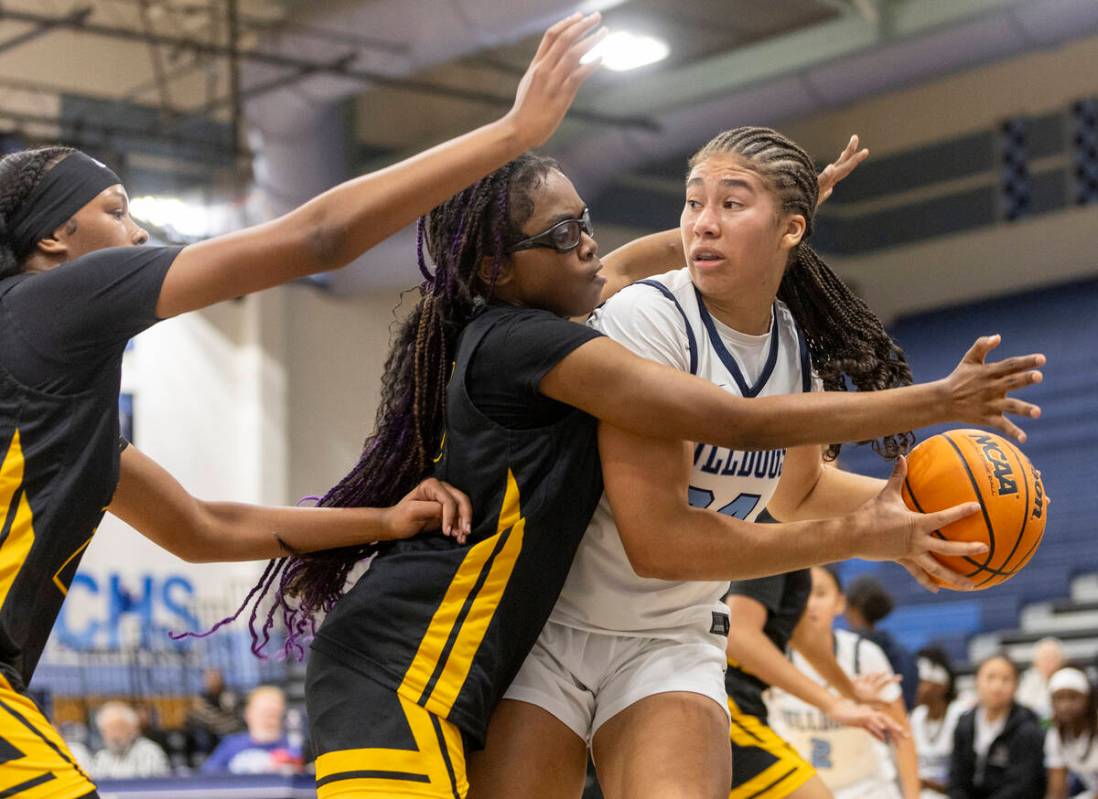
(977, 391)
(432, 505)
(876, 723)
(549, 86)
(840, 168)
(886, 529)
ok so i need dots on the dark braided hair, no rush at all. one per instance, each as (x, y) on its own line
(475, 226)
(20, 173)
(845, 338)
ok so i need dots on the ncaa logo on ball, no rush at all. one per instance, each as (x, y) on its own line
(998, 465)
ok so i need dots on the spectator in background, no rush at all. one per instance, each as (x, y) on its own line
(998, 746)
(934, 720)
(214, 714)
(125, 753)
(1070, 747)
(1048, 658)
(264, 748)
(868, 604)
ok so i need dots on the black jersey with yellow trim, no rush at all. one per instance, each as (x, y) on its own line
(446, 625)
(785, 597)
(62, 337)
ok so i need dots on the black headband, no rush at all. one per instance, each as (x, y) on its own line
(65, 189)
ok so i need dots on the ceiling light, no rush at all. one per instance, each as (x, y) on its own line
(621, 51)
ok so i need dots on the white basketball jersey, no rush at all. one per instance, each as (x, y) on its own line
(848, 759)
(664, 319)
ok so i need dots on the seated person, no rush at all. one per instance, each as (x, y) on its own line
(264, 747)
(125, 753)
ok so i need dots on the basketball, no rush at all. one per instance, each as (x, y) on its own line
(972, 465)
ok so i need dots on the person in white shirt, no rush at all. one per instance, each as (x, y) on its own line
(125, 753)
(934, 719)
(1033, 690)
(1071, 746)
(631, 661)
(849, 761)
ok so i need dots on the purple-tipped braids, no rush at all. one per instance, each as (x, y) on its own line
(473, 227)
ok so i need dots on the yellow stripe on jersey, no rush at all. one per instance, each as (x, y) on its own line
(17, 521)
(435, 770)
(446, 653)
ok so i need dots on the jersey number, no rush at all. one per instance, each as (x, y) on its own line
(739, 508)
(821, 753)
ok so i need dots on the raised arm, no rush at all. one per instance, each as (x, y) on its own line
(154, 503)
(749, 647)
(606, 380)
(335, 228)
(662, 252)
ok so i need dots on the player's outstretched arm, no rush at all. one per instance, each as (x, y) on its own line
(338, 226)
(749, 647)
(664, 537)
(662, 252)
(154, 503)
(608, 381)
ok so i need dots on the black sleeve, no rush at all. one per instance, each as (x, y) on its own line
(512, 358)
(767, 591)
(962, 764)
(75, 313)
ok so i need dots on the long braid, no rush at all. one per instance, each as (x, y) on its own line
(20, 173)
(847, 341)
(476, 224)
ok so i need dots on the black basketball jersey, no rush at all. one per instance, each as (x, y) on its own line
(448, 625)
(785, 597)
(62, 336)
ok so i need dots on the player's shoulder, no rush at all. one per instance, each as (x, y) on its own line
(661, 297)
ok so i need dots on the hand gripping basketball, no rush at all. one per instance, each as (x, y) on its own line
(549, 86)
(977, 391)
(888, 530)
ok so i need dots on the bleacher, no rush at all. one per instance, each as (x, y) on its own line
(1062, 322)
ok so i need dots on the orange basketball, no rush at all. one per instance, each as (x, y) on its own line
(970, 465)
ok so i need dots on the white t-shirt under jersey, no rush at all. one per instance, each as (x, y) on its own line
(669, 323)
(1077, 755)
(852, 763)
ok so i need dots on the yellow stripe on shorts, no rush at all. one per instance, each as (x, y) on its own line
(788, 772)
(35, 762)
(435, 771)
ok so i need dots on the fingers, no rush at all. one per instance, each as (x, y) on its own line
(899, 473)
(929, 522)
(1007, 428)
(554, 32)
(1019, 363)
(1017, 407)
(563, 47)
(956, 549)
(921, 577)
(942, 575)
(454, 507)
(979, 350)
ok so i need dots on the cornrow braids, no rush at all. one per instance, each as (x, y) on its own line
(478, 223)
(20, 174)
(847, 341)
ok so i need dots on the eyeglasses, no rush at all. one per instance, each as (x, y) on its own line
(562, 237)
